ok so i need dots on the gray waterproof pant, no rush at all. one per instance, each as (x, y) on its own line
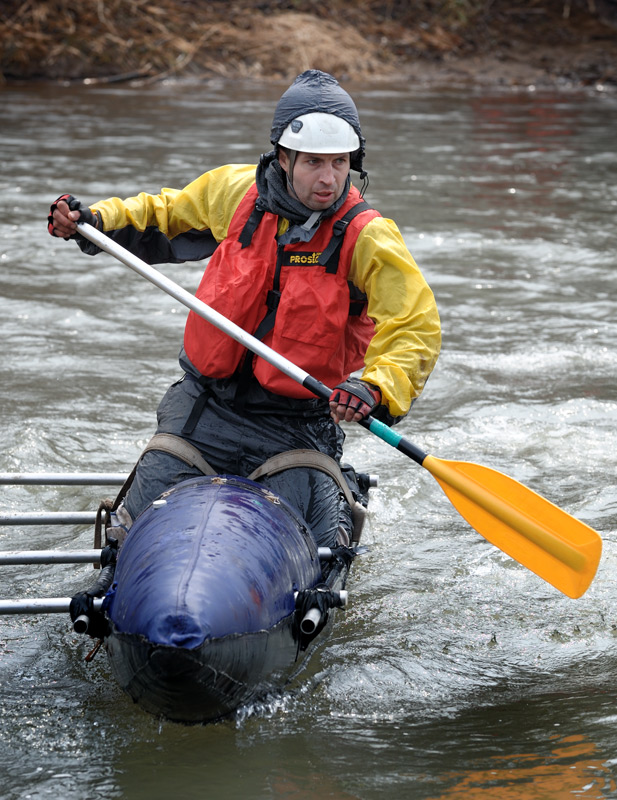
(236, 442)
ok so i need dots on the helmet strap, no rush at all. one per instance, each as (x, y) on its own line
(364, 178)
(292, 155)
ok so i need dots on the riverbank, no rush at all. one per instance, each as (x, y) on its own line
(539, 42)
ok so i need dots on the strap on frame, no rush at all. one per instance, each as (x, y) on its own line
(166, 442)
(314, 459)
(180, 448)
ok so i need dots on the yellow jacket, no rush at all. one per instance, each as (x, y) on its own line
(407, 339)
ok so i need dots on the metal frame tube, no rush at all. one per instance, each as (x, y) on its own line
(49, 518)
(49, 557)
(63, 478)
(41, 605)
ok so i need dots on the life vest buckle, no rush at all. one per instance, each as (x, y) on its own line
(339, 227)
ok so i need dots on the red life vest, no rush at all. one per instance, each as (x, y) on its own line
(319, 320)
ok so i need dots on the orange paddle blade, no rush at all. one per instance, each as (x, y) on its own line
(539, 535)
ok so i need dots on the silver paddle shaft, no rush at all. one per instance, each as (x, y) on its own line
(192, 302)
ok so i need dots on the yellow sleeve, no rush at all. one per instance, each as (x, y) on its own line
(407, 339)
(208, 203)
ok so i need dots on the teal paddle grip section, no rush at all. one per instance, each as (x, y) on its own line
(389, 435)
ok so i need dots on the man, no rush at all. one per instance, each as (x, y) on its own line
(300, 261)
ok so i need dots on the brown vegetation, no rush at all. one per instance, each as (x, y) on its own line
(496, 40)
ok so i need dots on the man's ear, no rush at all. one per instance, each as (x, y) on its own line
(283, 160)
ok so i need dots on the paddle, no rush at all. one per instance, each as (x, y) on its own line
(559, 548)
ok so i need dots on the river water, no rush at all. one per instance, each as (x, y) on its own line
(455, 672)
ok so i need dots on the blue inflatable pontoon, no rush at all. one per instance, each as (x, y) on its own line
(203, 611)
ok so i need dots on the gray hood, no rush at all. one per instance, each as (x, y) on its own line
(312, 91)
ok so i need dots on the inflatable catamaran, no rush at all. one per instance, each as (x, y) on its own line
(217, 597)
(219, 590)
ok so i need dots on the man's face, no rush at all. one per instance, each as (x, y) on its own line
(318, 179)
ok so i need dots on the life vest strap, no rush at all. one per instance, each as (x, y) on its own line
(197, 410)
(330, 256)
(273, 299)
(251, 225)
(357, 300)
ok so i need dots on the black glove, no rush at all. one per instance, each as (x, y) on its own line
(359, 396)
(85, 215)
(82, 604)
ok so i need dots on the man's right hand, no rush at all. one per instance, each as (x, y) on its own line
(64, 214)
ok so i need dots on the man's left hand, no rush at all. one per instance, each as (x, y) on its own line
(65, 213)
(353, 400)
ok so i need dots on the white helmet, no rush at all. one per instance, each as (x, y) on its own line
(320, 133)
